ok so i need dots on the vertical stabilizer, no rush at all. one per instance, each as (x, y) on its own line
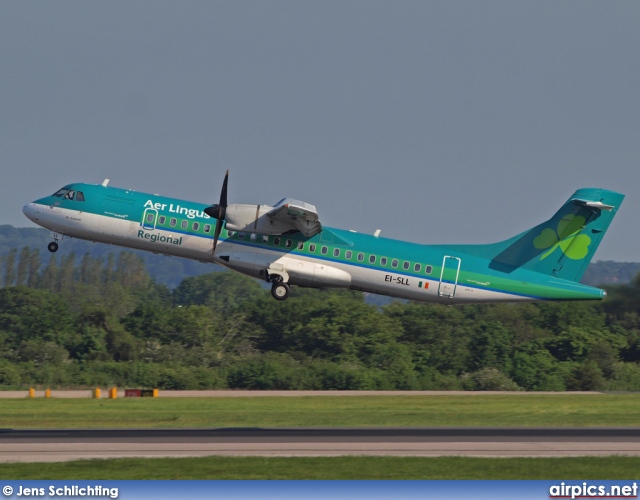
(564, 245)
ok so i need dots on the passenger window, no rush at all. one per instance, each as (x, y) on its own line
(417, 267)
(253, 236)
(300, 245)
(336, 252)
(360, 256)
(150, 217)
(383, 261)
(207, 228)
(288, 244)
(241, 236)
(162, 220)
(428, 269)
(324, 250)
(372, 259)
(276, 241)
(173, 222)
(80, 196)
(184, 224)
(312, 248)
(265, 239)
(195, 226)
(406, 265)
(348, 254)
(394, 263)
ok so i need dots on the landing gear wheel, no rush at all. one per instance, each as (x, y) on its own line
(52, 247)
(280, 291)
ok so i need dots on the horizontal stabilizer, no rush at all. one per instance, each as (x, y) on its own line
(598, 205)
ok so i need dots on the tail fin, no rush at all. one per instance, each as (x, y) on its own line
(564, 245)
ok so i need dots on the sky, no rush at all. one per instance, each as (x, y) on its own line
(457, 121)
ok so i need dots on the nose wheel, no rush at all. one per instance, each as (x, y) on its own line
(280, 290)
(52, 247)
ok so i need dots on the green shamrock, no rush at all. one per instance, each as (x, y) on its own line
(573, 245)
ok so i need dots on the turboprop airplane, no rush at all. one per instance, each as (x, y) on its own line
(287, 245)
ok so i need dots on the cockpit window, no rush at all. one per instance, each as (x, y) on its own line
(69, 195)
(61, 192)
(79, 196)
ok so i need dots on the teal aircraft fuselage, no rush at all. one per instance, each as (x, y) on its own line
(543, 263)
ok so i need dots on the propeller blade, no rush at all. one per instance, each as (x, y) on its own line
(216, 235)
(219, 211)
(223, 193)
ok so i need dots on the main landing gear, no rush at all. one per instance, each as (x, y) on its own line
(279, 289)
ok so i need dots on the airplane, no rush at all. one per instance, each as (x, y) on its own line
(287, 245)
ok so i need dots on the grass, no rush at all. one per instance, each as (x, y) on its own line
(327, 411)
(392, 411)
(329, 468)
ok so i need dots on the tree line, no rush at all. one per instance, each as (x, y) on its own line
(88, 321)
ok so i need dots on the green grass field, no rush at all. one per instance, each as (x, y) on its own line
(393, 411)
(330, 468)
(326, 411)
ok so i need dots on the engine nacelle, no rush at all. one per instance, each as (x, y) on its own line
(253, 219)
(304, 273)
(293, 271)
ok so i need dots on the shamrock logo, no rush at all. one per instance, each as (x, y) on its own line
(573, 245)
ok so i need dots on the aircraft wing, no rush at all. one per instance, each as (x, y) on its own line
(298, 215)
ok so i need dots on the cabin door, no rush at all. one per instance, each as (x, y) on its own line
(449, 276)
(149, 218)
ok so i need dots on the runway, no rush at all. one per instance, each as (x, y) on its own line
(57, 445)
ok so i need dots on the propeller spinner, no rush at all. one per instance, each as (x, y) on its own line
(218, 211)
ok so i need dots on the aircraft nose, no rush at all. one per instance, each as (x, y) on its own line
(29, 210)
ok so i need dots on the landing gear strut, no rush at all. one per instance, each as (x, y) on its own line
(53, 246)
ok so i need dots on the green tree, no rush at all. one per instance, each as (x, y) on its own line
(66, 276)
(10, 267)
(34, 268)
(23, 266)
(586, 377)
(223, 291)
(491, 347)
(49, 279)
(535, 369)
(488, 379)
(27, 314)
(193, 326)
(439, 336)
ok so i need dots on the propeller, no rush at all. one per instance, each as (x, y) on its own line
(219, 211)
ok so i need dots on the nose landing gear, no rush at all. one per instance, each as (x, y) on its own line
(53, 246)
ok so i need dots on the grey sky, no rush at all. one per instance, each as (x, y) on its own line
(437, 122)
